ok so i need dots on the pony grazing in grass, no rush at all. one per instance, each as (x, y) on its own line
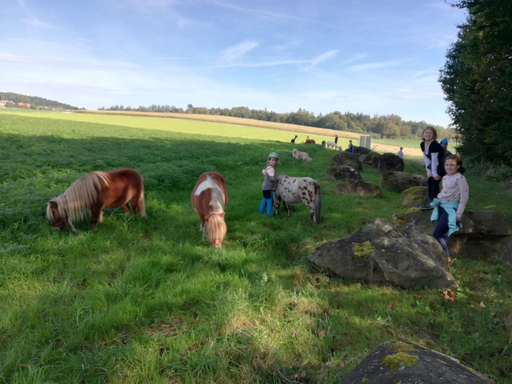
(95, 191)
(209, 199)
(293, 190)
(331, 143)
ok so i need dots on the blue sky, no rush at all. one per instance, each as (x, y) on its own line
(371, 56)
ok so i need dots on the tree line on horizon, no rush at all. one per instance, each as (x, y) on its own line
(34, 101)
(385, 126)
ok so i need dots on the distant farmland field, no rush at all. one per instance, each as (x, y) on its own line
(222, 126)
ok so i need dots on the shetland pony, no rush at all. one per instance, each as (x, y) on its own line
(95, 191)
(209, 199)
(331, 143)
(300, 155)
(293, 190)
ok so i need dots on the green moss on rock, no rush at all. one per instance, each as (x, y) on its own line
(399, 360)
(360, 250)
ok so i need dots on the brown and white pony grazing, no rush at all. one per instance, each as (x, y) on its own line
(95, 191)
(209, 199)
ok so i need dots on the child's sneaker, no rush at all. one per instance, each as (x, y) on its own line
(426, 206)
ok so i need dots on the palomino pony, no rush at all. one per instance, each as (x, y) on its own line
(95, 191)
(209, 199)
(293, 190)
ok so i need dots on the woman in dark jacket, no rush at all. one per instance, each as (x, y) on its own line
(433, 154)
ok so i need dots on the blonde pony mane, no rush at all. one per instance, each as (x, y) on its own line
(215, 227)
(78, 199)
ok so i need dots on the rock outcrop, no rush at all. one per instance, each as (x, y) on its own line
(414, 196)
(400, 181)
(371, 159)
(484, 234)
(347, 158)
(410, 363)
(343, 173)
(380, 253)
(390, 162)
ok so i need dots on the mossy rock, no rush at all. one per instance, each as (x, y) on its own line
(399, 360)
(393, 363)
(414, 196)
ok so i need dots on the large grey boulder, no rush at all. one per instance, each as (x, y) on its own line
(350, 182)
(390, 162)
(503, 251)
(381, 253)
(343, 173)
(358, 187)
(346, 158)
(409, 363)
(400, 181)
(484, 234)
(491, 223)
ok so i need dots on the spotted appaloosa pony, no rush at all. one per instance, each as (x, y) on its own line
(293, 190)
(209, 199)
(95, 191)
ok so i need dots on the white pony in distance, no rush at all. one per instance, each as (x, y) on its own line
(300, 155)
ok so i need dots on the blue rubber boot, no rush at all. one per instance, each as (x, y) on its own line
(269, 207)
(262, 205)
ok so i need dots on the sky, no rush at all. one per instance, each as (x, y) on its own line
(361, 56)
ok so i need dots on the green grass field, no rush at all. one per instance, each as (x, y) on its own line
(147, 301)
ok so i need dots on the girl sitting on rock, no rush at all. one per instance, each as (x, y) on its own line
(450, 203)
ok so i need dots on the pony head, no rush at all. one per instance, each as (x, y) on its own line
(216, 229)
(54, 216)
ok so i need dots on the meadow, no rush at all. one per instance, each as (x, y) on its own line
(148, 301)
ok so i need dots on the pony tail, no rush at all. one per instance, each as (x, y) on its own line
(141, 203)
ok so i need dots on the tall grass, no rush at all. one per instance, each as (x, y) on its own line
(149, 301)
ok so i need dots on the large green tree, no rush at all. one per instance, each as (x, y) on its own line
(477, 81)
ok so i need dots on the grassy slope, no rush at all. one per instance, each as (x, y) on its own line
(223, 125)
(147, 301)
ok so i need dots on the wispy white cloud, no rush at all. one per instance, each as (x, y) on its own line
(371, 66)
(230, 55)
(321, 58)
(267, 63)
(36, 23)
(357, 57)
(269, 14)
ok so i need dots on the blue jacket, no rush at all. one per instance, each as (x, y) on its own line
(451, 208)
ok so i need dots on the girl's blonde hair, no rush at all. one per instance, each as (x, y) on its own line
(429, 128)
